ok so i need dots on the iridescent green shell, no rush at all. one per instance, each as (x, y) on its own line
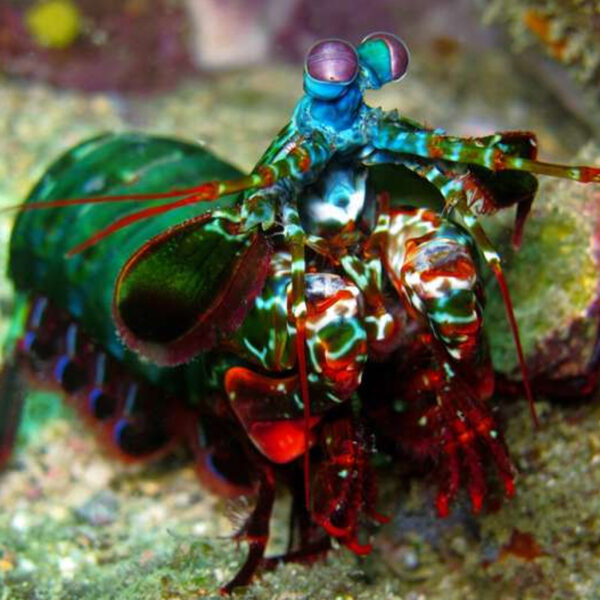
(107, 165)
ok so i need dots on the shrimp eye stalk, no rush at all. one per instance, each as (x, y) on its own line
(384, 58)
(330, 68)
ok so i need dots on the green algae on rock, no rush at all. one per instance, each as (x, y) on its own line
(553, 279)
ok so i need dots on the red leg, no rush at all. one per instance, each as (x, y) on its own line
(432, 264)
(440, 415)
(255, 531)
(344, 488)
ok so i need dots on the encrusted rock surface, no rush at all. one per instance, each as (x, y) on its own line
(556, 41)
(553, 278)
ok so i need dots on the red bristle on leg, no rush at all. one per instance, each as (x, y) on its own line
(515, 331)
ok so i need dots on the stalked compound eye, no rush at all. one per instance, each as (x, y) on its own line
(385, 56)
(330, 66)
(332, 61)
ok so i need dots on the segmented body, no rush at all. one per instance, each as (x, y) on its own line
(242, 325)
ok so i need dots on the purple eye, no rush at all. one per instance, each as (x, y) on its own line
(396, 51)
(332, 61)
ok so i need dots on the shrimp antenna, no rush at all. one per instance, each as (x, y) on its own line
(64, 202)
(493, 260)
(298, 160)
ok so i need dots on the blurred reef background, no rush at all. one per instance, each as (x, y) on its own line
(227, 73)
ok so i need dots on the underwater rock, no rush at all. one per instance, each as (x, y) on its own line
(566, 30)
(553, 279)
(556, 42)
(101, 509)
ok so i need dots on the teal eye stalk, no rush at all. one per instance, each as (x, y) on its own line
(384, 58)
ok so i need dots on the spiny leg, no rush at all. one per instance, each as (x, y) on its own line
(453, 430)
(472, 421)
(344, 486)
(447, 267)
(457, 317)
